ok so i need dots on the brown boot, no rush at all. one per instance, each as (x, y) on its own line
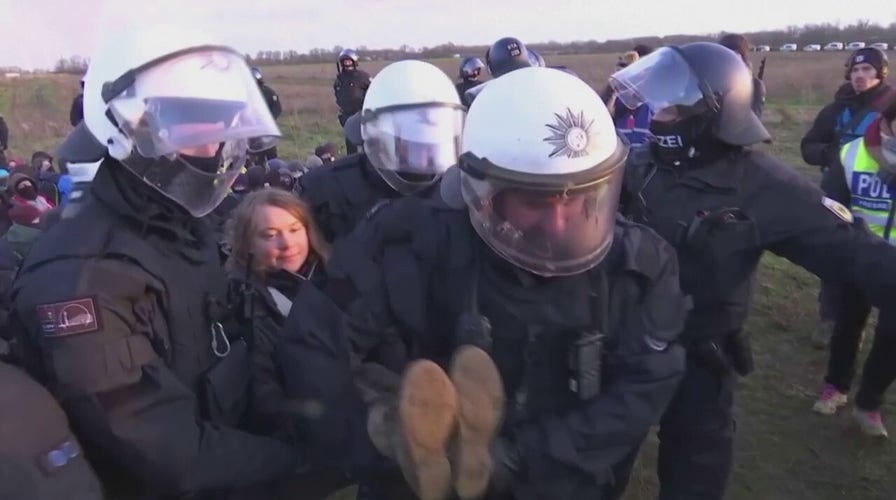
(415, 431)
(481, 395)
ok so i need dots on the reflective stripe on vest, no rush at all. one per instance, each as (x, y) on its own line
(871, 199)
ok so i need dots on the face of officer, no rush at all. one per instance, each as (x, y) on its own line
(559, 225)
(280, 240)
(863, 76)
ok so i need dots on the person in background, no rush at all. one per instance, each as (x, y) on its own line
(327, 152)
(740, 45)
(856, 105)
(349, 88)
(469, 73)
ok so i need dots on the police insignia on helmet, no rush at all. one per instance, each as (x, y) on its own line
(838, 209)
(570, 135)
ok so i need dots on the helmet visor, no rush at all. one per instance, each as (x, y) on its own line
(662, 80)
(192, 118)
(547, 232)
(413, 145)
(193, 99)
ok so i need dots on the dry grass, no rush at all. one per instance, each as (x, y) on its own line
(784, 452)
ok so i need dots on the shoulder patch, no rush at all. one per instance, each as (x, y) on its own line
(68, 318)
(838, 209)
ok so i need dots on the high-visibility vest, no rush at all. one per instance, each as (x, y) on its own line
(871, 198)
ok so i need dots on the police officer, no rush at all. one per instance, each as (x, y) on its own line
(276, 108)
(410, 129)
(523, 258)
(867, 173)
(122, 311)
(76, 112)
(470, 69)
(505, 55)
(722, 205)
(40, 458)
(856, 104)
(349, 88)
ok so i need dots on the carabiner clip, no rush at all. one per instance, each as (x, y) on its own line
(218, 331)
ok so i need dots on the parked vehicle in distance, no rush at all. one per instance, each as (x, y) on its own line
(881, 45)
(832, 46)
(855, 45)
(812, 47)
(788, 47)
(762, 48)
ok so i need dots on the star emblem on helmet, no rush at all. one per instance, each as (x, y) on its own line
(570, 134)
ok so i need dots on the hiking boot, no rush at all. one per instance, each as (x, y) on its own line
(830, 400)
(870, 422)
(822, 334)
(415, 430)
(480, 395)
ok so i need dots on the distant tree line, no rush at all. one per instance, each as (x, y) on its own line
(861, 31)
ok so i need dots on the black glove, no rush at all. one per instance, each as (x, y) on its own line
(506, 463)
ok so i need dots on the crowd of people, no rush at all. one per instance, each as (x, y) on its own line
(496, 293)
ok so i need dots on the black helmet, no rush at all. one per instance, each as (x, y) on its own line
(697, 82)
(348, 59)
(256, 73)
(506, 55)
(470, 67)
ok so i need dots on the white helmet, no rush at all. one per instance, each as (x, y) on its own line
(411, 124)
(541, 171)
(176, 109)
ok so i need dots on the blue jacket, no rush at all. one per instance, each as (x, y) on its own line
(634, 124)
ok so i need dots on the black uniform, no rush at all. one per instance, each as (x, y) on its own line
(340, 195)
(410, 277)
(721, 214)
(40, 458)
(122, 314)
(349, 88)
(464, 85)
(76, 113)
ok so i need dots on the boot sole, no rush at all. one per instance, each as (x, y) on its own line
(481, 395)
(427, 410)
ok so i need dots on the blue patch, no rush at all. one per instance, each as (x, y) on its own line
(869, 192)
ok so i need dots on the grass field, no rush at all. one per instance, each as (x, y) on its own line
(784, 451)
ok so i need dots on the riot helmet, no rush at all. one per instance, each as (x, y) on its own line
(506, 55)
(699, 93)
(541, 171)
(411, 124)
(177, 110)
(348, 59)
(470, 68)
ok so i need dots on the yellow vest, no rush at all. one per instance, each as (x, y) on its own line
(872, 199)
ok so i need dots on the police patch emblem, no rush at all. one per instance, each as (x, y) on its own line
(837, 208)
(570, 135)
(68, 318)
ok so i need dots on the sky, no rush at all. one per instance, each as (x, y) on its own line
(36, 33)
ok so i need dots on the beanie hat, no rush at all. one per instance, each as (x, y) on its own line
(870, 55)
